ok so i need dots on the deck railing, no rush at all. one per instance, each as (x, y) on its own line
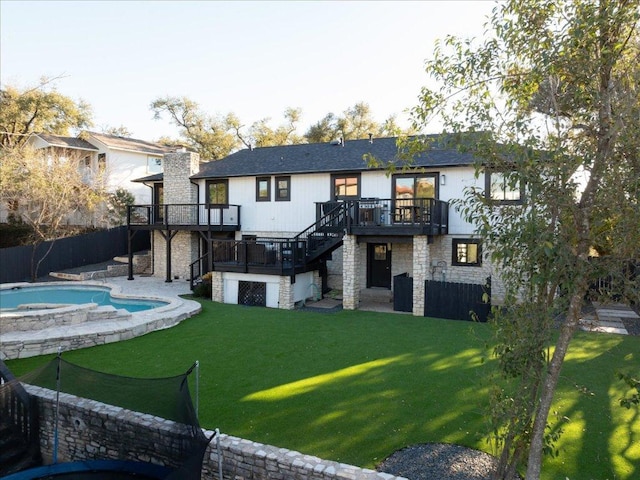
(383, 212)
(201, 214)
(269, 254)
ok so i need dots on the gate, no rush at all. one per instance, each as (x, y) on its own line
(457, 301)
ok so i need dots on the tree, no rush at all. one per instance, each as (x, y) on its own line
(553, 94)
(120, 131)
(355, 123)
(38, 109)
(262, 135)
(43, 190)
(213, 137)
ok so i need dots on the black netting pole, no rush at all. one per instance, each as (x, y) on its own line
(197, 389)
(56, 413)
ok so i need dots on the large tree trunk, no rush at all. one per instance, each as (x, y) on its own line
(534, 463)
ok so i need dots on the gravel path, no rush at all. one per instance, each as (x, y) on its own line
(439, 461)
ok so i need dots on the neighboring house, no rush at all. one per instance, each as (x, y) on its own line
(123, 159)
(277, 225)
(120, 160)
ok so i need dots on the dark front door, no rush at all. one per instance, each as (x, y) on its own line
(378, 265)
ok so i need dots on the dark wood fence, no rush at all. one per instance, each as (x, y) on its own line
(456, 301)
(70, 252)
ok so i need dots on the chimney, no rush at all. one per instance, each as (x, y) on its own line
(371, 138)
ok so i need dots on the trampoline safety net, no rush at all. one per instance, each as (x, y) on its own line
(167, 398)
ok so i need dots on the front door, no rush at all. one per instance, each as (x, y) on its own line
(378, 265)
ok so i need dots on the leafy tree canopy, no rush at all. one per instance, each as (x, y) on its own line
(553, 94)
(38, 109)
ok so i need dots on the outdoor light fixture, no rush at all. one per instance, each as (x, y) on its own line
(442, 179)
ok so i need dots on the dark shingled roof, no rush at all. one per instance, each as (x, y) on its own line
(156, 177)
(324, 157)
(66, 142)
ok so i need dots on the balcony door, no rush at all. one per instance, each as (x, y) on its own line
(409, 193)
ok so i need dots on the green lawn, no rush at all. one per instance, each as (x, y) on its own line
(356, 386)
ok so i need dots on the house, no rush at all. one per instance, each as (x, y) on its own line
(277, 225)
(123, 159)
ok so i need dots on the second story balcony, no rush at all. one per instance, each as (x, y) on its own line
(184, 217)
(399, 216)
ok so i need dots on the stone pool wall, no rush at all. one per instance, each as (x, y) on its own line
(92, 430)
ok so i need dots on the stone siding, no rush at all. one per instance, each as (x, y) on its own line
(351, 273)
(184, 251)
(285, 294)
(90, 430)
(421, 262)
(217, 287)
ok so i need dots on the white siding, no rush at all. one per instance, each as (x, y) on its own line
(286, 218)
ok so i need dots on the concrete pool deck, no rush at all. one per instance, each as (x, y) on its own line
(22, 344)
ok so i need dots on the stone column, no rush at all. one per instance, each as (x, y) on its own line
(217, 287)
(421, 261)
(350, 273)
(178, 190)
(285, 294)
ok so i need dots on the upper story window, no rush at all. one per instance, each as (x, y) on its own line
(283, 189)
(154, 164)
(263, 189)
(217, 192)
(345, 187)
(501, 188)
(102, 162)
(415, 186)
(466, 252)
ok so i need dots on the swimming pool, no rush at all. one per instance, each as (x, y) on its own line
(12, 298)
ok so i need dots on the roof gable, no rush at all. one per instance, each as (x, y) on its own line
(128, 144)
(65, 142)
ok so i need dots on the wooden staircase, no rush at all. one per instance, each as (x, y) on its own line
(325, 235)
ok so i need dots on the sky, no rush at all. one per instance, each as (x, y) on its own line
(255, 59)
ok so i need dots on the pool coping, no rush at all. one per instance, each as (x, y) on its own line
(23, 344)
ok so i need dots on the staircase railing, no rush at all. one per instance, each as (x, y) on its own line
(196, 270)
(18, 409)
(328, 230)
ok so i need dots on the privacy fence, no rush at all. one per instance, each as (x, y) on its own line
(70, 252)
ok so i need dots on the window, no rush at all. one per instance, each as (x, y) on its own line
(102, 162)
(154, 164)
(263, 189)
(466, 252)
(345, 186)
(218, 192)
(415, 186)
(502, 189)
(283, 189)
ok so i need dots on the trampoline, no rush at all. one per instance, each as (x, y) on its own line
(93, 470)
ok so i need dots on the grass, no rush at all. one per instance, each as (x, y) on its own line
(356, 386)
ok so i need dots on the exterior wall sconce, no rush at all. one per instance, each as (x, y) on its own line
(443, 179)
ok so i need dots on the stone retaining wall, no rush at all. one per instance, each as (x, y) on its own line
(89, 430)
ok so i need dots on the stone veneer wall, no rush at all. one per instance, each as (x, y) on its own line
(351, 273)
(421, 263)
(184, 251)
(91, 430)
(178, 189)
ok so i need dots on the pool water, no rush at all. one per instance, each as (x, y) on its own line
(65, 295)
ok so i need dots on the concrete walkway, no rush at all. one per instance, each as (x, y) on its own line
(608, 319)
